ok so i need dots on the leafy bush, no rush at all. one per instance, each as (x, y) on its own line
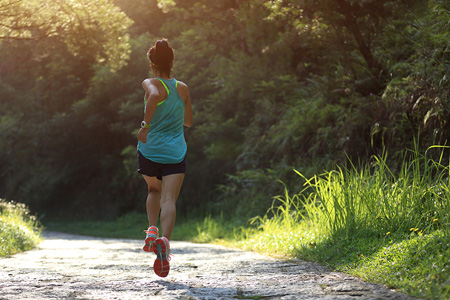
(19, 231)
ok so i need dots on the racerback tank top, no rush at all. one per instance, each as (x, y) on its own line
(165, 140)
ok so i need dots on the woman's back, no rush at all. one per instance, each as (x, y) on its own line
(165, 139)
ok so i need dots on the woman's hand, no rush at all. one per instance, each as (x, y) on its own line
(142, 135)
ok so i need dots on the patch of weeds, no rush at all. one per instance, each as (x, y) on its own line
(19, 230)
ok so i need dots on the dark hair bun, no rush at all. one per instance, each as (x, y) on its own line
(161, 55)
(161, 45)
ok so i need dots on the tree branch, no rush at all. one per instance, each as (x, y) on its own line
(12, 3)
(351, 23)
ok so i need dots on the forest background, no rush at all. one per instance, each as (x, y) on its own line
(275, 85)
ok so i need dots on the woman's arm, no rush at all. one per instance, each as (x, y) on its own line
(153, 97)
(188, 117)
(184, 93)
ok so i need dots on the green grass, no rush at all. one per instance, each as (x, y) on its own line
(132, 226)
(383, 227)
(19, 231)
(129, 226)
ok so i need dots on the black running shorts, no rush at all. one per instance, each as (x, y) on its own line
(158, 170)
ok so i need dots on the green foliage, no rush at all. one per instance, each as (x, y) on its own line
(81, 132)
(246, 193)
(131, 226)
(19, 231)
(275, 85)
(417, 95)
(351, 200)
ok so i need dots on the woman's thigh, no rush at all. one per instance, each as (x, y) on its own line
(171, 186)
(153, 184)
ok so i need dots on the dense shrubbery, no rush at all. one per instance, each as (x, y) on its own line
(276, 86)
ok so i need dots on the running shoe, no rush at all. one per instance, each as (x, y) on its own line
(152, 234)
(161, 266)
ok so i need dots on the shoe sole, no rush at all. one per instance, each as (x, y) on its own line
(161, 266)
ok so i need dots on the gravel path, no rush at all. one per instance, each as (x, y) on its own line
(77, 267)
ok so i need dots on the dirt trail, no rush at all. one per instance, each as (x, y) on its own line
(77, 267)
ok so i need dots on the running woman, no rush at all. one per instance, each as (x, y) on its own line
(162, 150)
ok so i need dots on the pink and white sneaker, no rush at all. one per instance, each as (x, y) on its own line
(152, 234)
(161, 265)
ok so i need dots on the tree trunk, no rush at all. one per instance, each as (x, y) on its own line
(351, 23)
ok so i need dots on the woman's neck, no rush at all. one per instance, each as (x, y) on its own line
(163, 76)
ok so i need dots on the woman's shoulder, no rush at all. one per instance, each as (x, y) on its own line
(181, 85)
(150, 81)
(153, 85)
(183, 91)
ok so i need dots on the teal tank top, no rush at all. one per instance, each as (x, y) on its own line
(165, 139)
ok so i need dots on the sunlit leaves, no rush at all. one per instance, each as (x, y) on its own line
(89, 27)
(166, 5)
(22, 19)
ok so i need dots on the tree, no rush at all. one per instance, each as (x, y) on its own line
(95, 27)
(354, 24)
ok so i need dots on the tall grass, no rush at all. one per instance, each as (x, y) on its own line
(384, 226)
(374, 199)
(19, 231)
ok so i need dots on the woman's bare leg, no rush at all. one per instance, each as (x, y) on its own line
(153, 199)
(171, 185)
